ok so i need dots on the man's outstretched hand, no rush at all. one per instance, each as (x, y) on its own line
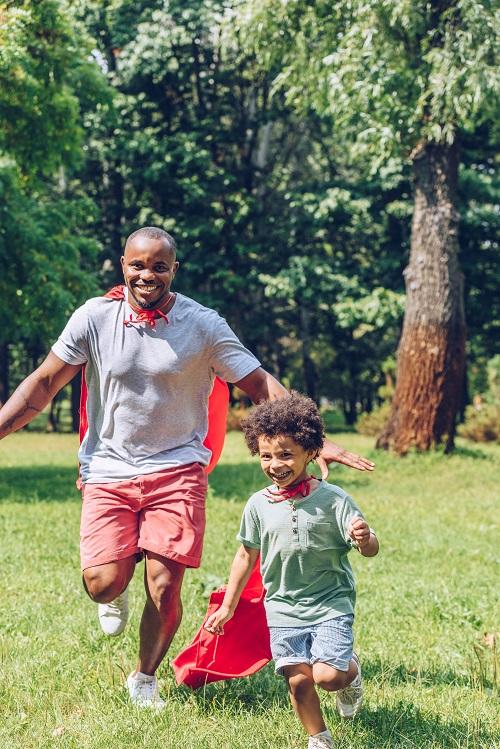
(332, 453)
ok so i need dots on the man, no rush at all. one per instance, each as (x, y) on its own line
(150, 359)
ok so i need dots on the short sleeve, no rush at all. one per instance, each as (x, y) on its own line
(229, 358)
(347, 511)
(249, 533)
(72, 345)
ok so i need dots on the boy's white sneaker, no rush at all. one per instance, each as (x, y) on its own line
(113, 616)
(349, 699)
(319, 742)
(143, 691)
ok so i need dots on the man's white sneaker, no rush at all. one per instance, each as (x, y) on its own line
(113, 616)
(143, 690)
(319, 742)
(349, 699)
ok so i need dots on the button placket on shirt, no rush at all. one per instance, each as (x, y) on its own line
(295, 523)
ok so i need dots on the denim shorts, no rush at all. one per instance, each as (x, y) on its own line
(329, 642)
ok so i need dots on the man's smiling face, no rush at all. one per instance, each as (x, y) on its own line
(149, 267)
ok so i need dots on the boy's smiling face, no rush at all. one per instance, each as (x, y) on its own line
(284, 460)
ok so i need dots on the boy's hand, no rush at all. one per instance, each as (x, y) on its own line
(215, 622)
(359, 531)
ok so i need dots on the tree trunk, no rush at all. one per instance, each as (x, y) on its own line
(4, 372)
(308, 367)
(431, 353)
(76, 384)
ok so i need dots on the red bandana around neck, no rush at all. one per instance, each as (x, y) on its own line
(303, 488)
(148, 316)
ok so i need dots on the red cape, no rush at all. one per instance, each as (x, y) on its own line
(242, 650)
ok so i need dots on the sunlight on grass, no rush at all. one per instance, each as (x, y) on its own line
(424, 607)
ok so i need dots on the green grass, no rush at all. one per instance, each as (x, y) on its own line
(424, 605)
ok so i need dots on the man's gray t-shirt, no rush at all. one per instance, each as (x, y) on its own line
(148, 387)
(303, 544)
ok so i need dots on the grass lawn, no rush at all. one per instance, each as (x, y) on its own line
(425, 605)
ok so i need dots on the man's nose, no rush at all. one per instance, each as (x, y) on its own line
(147, 274)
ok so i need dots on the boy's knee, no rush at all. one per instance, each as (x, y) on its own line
(329, 678)
(299, 685)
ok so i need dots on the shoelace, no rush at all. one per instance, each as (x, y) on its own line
(289, 492)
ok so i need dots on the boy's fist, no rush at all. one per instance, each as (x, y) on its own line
(215, 622)
(359, 531)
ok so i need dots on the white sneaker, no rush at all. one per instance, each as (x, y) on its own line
(349, 699)
(319, 742)
(143, 690)
(113, 616)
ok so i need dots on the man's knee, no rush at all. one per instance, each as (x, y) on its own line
(105, 582)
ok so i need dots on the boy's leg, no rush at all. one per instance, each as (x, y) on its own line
(304, 697)
(332, 679)
(335, 666)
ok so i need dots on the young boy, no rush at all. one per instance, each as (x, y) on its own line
(303, 529)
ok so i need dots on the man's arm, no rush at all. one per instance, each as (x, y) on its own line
(35, 392)
(260, 386)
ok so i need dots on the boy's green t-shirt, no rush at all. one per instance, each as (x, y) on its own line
(303, 544)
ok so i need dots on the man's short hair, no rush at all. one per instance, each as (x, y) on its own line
(153, 232)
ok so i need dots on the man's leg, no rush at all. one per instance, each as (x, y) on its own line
(163, 610)
(104, 582)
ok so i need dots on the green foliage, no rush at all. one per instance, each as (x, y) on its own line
(47, 258)
(391, 73)
(43, 67)
(482, 423)
(372, 423)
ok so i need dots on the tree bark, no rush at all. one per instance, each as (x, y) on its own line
(431, 353)
(4, 372)
(76, 384)
(308, 366)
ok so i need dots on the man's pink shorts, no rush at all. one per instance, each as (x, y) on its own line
(160, 512)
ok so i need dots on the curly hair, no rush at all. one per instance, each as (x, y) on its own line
(295, 416)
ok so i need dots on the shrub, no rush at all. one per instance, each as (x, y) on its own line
(373, 422)
(234, 418)
(481, 424)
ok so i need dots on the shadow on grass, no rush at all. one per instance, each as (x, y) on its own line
(470, 452)
(397, 674)
(397, 725)
(239, 481)
(39, 484)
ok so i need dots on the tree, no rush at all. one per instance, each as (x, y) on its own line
(402, 81)
(47, 78)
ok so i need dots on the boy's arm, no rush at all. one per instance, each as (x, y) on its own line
(241, 568)
(365, 539)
